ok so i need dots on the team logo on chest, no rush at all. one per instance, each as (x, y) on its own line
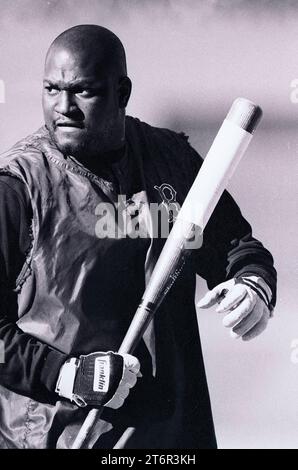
(168, 199)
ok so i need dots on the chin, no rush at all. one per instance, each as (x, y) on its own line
(70, 146)
(83, 145)
(76, 151)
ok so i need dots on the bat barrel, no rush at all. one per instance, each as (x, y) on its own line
(221, 161)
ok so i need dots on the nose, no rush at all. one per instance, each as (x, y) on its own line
(65, 103)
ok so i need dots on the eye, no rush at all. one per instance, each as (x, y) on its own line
(51, 90)
(86, 93)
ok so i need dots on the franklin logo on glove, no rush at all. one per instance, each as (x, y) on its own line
(98, 379)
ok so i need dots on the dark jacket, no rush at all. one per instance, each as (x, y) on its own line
(77, 294)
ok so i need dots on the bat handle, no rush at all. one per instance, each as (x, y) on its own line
(141, 320)
(134, 334)
(82, 437)
(163, 277)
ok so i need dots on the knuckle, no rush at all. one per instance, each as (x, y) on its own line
(247, 307)
(231, 320)
(128, 359)
(241, 288)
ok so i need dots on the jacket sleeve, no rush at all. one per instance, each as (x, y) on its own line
(27, 366)
(229, 248)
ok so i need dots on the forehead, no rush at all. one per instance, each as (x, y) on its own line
(64, 64)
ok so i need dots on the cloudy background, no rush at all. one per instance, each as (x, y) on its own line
(188, 60)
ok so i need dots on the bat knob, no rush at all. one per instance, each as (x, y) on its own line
(245, 114)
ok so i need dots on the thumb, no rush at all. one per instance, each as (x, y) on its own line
(214, 295)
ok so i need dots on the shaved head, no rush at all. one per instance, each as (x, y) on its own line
(86, 90)
(105, 46)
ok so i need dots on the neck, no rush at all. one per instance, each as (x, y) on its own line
(103, 162)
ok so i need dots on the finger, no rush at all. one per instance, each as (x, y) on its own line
(248, 323)
(256, 330)
(233, 298)
(123, 392)
(131, 363)
(115, 403)
(129, 378)
(239, 313)
(211, 297)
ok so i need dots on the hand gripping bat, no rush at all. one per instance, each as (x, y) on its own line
(220, 163)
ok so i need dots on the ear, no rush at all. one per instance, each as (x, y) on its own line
(124, 91)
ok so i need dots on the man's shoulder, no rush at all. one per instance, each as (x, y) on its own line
(164, 145)
(133, 123)
(30, 144)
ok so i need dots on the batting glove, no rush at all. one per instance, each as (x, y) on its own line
(98, 379)
(245, 301)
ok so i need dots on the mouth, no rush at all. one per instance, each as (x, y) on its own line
(68, 125)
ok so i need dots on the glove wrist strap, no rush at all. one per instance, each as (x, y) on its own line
(258, 285)
(67, 375)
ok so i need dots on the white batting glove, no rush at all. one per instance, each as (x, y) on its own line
(245, 303)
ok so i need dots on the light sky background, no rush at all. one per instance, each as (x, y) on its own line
(188, 61)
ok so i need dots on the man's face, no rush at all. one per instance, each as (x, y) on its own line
(81, 104)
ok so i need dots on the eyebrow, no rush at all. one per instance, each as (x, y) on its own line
(74, 83)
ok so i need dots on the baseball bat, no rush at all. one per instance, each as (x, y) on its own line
(218, 167)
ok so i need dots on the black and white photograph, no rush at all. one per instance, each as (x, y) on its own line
(148, 227)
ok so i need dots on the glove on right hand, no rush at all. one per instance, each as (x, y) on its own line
(98, 379)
